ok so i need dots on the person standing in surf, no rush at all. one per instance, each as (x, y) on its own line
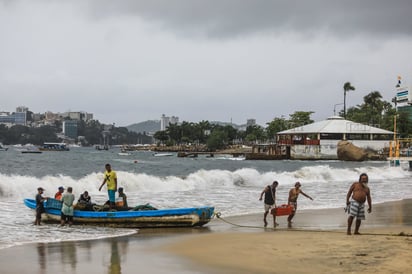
(360, 193)
(293, 200)
(39, 205)
(67, 207)
(110, 178)
(269, 202)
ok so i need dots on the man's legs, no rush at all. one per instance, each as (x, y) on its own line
(290, 219)
(275, 224)
(350, 220)
(112, 199)
(357, 226)
(264, 218)
(38, 218)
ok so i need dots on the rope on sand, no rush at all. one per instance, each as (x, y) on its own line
(219, 216)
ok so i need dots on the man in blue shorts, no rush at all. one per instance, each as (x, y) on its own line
(110, 178)
(360, 193)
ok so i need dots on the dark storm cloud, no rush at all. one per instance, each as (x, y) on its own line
(229, 18)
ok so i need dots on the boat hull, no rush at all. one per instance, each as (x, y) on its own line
(178, 217)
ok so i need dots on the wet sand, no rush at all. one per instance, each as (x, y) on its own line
(317, 242)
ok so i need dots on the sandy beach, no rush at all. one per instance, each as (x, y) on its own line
(317, 243)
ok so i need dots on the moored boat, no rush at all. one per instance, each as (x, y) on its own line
(54, 147)
(173, 217)
(2, 148)
(157, 154)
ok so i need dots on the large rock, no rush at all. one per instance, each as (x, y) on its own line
(349, 152)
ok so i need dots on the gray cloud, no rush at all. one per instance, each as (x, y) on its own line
(231, 18)
(128, 61)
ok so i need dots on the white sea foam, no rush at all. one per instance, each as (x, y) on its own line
(230, 192)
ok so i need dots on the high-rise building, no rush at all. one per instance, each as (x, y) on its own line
(250, 122)
(165, 121)
(70, 128)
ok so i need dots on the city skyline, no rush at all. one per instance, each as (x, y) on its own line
(131, 61)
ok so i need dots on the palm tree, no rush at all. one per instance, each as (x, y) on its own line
(346, 87)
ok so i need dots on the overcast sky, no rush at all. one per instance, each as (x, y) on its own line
(225, 60)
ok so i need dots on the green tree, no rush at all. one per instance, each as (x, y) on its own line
(162, 136)
(255, 133)
(373, 107)
(346, 87)
(217, 140)
(175, 133)
(404, 125)
(300, 118)
(275, 126)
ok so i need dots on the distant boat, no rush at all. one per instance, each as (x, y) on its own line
(33, 150)
(162, 154)
(54, 147)
(2, 148)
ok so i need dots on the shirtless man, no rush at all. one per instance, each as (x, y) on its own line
(356, 206)
(293, 200)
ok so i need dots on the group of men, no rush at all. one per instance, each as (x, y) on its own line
(358, 194)
(67, 199)
(270, 201)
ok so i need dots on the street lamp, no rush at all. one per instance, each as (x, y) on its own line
(334, 108)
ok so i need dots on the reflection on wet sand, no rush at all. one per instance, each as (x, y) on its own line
(68, 255)
(115, 267)
(41, 252)
(116, 254)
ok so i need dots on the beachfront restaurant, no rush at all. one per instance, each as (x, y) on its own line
(319, 140)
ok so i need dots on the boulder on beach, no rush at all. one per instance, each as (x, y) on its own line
(349, 152)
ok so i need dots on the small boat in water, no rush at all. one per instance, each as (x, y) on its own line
(54, 147)
(31, 151)
(162, 154)
(173, 217)
(2, 148)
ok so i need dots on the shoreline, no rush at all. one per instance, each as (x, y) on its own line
(318, 241)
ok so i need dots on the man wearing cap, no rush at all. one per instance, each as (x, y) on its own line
(39, 205)
(59, 193)
(293, 200)
(110, 178)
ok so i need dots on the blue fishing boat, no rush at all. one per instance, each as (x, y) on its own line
(133, 218)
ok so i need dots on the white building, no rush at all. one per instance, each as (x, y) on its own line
(320, 140)
(165, 121)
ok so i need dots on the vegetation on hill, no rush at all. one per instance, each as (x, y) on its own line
(150, 126)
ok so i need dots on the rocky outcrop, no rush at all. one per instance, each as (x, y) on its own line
(348, 152)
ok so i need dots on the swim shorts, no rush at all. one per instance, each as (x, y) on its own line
(357, 210)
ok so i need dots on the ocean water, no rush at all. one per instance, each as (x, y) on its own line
(231, 185)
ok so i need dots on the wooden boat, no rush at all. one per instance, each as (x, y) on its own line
(174, 217)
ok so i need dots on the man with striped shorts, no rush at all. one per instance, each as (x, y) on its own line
(359, 193)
